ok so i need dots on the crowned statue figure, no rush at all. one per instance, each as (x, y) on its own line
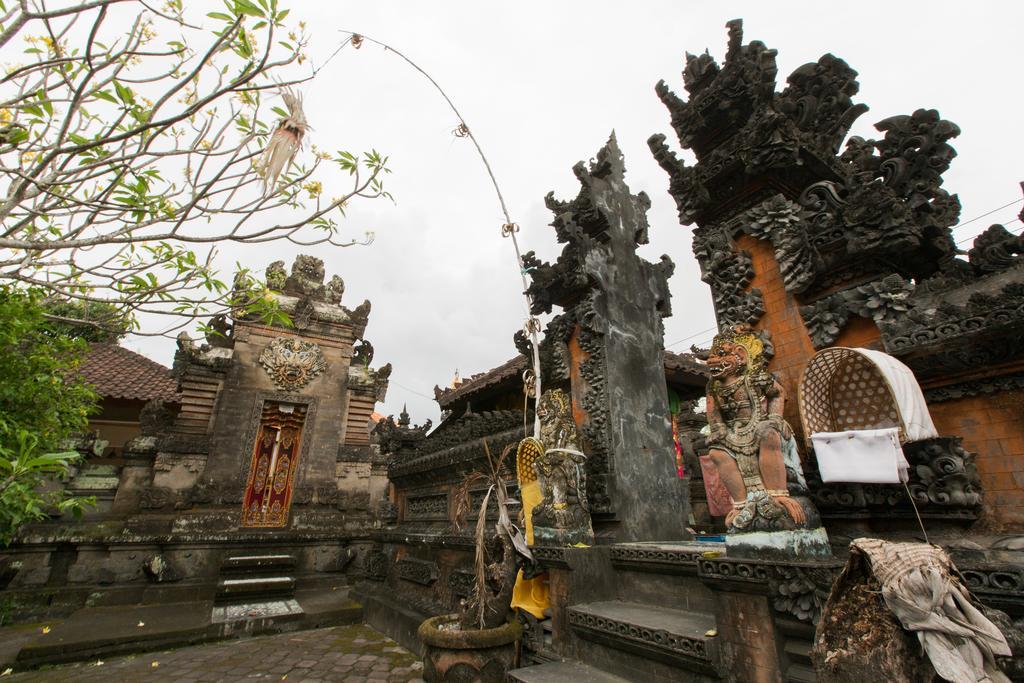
(750, 443)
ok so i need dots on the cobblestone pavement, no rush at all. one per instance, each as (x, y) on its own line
(345, 654)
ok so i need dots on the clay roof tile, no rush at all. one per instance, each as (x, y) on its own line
(117, 372)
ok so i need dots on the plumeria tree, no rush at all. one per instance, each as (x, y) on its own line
(136, 138)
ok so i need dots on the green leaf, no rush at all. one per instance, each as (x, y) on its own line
(247, 8)
(124, 93)
(218, 15)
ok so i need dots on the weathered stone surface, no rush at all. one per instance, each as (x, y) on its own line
(607, 345)
(343, 654)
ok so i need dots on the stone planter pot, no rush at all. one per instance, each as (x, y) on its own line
(462, 656)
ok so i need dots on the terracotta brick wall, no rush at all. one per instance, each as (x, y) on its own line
(793, 347)
(991, 426)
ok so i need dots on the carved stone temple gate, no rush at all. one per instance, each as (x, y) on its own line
(606, 346)
(811, 244)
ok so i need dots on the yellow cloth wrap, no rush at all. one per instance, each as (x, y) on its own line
(531, 595)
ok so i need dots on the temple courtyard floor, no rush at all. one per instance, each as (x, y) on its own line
(346, 654)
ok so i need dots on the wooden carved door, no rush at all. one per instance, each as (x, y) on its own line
(268, 492)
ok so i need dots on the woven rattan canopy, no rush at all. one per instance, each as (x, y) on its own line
(845, 389)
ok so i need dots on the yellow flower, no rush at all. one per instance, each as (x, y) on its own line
(314, 188)
(5, 115)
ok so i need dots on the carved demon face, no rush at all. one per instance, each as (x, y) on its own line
(727, 359)
(309, 268)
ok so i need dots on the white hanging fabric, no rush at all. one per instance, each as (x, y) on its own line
(917, 421)
(920, 587)
(862, 456)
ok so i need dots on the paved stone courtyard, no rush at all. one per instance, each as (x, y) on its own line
(346, 654)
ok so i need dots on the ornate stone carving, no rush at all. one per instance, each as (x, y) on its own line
(380, 382)
(307, 278)
(429, 507)
(779, 221)
(292, 363)
(159, 570)
(335, 290)
(417, 571)
(387, 511)
(451, 464)
(375, 565)
(562, 517)
(361, 313)
(797, 589)
(608, 295)
(276, 275)
(694, 652)
(945, 473)
(943, 478)
(400, 440)
(657, 559)
(748, 436)
(326, 495)
(362, 354)
(995, 250)
(885, 301)
(995, 313)
(153, 498)
(819, 101)
(987, 385)
(550, 556)
(155, 418)
(729, 272)
(997, 584)
(801, 591)
(875, 214)
(460, 582)
(219, 333)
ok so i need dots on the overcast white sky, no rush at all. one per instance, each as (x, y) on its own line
(542, 84)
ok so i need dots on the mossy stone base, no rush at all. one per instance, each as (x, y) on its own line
(458, 656)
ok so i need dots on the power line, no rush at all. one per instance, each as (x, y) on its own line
(695, 334)
(411, 391)
(987, 213)
(974, 237)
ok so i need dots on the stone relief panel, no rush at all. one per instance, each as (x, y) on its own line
(292, 363)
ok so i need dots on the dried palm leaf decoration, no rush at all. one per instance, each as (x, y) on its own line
(285, 142)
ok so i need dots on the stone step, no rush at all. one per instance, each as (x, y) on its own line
(260, 563)
(234, 589)
(561, 672)
(675, 637)
(801, 673)
(798, 650)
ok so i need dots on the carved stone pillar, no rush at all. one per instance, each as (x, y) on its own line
(607, 347)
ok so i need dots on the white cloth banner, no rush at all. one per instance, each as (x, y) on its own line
(861, 456)
(909, 398)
